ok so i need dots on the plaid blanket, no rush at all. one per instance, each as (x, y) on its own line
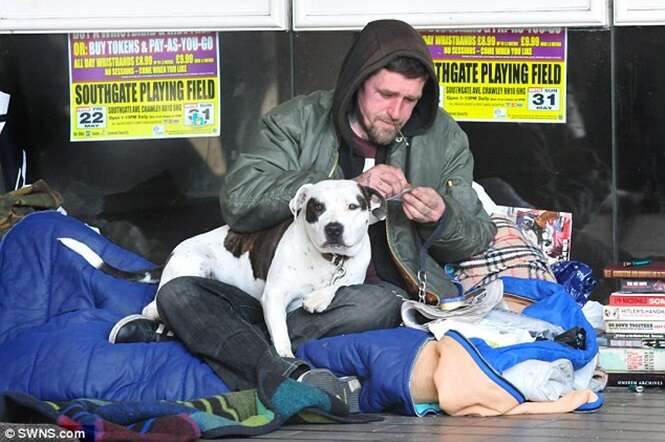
(509, 254)
(243, 413)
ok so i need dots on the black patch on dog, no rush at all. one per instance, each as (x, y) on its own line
(362, 200)
(313, 210)
(261, 246)
(367, 194)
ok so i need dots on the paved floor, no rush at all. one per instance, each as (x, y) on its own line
(626, 416)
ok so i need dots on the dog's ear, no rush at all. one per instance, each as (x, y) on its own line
(298, 201)
(376, 204)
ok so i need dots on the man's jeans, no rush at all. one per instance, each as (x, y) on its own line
(224, 325)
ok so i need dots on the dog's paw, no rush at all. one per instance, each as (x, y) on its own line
(150, 311)
(318, 300)
(287, 354)
(284, 351)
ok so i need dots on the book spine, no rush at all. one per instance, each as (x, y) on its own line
(645, 300)
(635, 326)
(642, 379)
(635, 335)
(633, 273)
(632, 359)
(635, 342)
(629, 313)
(642, 285)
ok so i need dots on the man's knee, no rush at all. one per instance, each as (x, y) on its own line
(374, 305)
(176, 292)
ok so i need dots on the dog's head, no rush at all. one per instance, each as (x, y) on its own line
(336, 214)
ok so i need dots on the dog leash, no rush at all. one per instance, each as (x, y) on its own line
(422, 256)
(424, 245)
(445, 302)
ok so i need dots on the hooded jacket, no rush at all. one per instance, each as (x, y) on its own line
(379, 43)
(300, 140)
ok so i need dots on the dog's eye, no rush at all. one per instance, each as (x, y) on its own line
(318, 207)
(353, 206)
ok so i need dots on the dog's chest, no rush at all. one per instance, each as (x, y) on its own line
(319, 274)
(298, 268)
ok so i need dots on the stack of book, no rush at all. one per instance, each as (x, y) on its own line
(632, 350)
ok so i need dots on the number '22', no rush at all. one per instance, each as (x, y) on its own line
(94, 117)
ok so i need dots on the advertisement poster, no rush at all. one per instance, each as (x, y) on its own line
(144, 85)
(512, 75)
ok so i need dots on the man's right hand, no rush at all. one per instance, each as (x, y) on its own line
(386, 179)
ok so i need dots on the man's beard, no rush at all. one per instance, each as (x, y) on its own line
(381, 135)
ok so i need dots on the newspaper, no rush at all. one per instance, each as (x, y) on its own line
(476, 305)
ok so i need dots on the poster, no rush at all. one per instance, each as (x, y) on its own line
(549, 230)
(143, 85)
(512, 75)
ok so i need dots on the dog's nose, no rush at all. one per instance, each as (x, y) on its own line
(334, 230)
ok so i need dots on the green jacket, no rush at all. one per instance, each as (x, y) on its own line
(299, 142)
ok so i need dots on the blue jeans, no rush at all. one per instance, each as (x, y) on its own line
(224, 325)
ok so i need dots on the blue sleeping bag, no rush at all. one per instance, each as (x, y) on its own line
(56, 312)
(384, 359)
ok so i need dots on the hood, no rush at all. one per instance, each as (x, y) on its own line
(380, 42)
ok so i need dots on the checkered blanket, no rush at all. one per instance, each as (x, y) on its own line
(509, 254)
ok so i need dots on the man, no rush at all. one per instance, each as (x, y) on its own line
(382, 127)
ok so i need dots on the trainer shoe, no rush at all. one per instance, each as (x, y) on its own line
(346, 388)
(139, 328)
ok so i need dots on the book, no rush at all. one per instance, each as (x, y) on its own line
(632, 340)
(549, 230)
(644, 379)
(631, 359)
(642, 285)
(655, 270)
(636, 335)
(637, 299)
(635, 326)
(633, 313)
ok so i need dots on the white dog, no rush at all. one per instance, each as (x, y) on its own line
(298, 263)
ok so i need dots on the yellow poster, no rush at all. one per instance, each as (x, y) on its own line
(144, 85)
(501, 74)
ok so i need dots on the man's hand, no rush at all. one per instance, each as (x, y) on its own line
(385, 179)
(423, 205)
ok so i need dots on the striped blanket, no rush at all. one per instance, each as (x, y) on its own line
(243, 413)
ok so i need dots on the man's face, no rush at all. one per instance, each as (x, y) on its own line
(385, 103)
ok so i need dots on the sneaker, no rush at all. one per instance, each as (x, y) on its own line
(346, 388)
(139, 328)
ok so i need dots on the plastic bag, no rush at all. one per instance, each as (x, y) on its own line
(576, 278)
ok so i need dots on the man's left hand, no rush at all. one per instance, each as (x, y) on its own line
(423, 205)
